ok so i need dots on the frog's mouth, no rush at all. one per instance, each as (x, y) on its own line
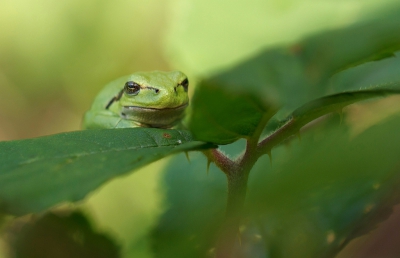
(154, 117)
(135, 108)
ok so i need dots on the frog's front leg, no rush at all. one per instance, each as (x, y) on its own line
(106, 119)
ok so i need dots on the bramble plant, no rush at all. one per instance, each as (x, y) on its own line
(309, 200)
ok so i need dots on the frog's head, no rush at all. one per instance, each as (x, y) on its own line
(156, 89)
(156, 99)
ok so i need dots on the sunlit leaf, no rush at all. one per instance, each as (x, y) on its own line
(205, 35)
(332, 51)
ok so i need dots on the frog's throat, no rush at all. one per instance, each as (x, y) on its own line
(154, 117)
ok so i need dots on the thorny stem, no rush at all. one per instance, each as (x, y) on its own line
(277, 137)
(221, 161)
(237, 173)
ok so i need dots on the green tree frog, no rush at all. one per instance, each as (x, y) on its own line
(148, 99)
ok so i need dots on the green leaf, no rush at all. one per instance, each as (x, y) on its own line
(312, 110)
(336, 102)
(364, 76)
(38, 173)
(327, 188)
(222, 117)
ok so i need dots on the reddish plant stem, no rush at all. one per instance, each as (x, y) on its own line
(237, 172)
(221, 160)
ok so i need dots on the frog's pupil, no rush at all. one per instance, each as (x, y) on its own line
(132, 88)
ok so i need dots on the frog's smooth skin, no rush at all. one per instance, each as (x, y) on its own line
(148, 99)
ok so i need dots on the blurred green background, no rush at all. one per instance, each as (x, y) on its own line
(55, 57)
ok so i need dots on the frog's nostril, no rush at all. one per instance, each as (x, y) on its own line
(175, 89)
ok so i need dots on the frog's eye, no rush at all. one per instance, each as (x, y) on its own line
(185, 84)
(132, 88)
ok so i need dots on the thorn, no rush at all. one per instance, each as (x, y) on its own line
(269, 153)
(208, 165)
(341, 115)
(298, 135)
(187, 156)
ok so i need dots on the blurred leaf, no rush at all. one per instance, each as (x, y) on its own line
(324, 191)
(196, 204)
(38, 173)
(244, 97)
(61, 236)
(332, 51)
(207, 35)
